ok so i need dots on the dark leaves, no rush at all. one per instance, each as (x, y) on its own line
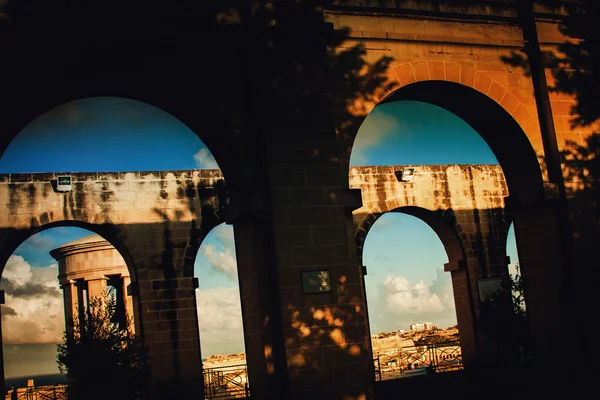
(105, 358)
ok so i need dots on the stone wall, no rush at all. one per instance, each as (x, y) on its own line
(113, 197)
(465, 206)
(156, 220)
(283, 135)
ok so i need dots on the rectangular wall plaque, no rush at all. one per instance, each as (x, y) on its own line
(316, 281)
(489, 287)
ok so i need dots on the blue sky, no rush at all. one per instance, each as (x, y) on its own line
(402, 253)
(415, 133)
(103, 134)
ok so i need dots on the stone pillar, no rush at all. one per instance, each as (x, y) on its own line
(125, 282)
(70, 299)
(465, 311)
(169, 325)
(96, 287)
(265, 351)
(82, 301)
(542, 273)
(1, 346)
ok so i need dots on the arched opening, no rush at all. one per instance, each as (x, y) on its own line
(430, 145)
(105, 134)
(535, 221)
(137, 175)
(410, 297)
(512, 251)
(505, 138)
(220, 315)
(521, 330)
(49, 278)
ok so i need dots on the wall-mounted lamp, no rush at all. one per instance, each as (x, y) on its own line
(406, 175)
(63, 183)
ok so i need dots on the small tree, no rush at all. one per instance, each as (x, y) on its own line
(504, 318)
(104, 357)
(516, 291)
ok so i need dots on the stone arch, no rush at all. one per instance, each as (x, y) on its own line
(113, 234)
(498, 124)
(442, 222)
(418, 71)
(197, 238)
(488, 84)
(129, 251)
(458, 250)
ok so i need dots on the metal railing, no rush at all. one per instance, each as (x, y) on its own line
(226, 382)
(45, 392)
(418, 360)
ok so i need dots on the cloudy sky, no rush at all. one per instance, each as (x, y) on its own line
(405, 282)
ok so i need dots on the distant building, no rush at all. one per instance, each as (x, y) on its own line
(423, 326)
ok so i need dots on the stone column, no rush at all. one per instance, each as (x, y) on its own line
(70, 298)
(1, 346)
(167, 320)
(96, 286)
(257, 274)
(320, 282)
(126, 281)
(465, 311)
(542, 273)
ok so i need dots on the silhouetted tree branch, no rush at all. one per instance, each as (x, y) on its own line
(104, 357)
(575, 66)
(582, 173)
(504, 318)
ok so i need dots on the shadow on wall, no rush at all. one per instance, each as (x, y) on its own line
(581, 168)
(336, 332)
(280, 72)
(574, 66)
(582, 171)
(177, 260)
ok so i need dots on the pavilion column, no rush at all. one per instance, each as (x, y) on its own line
(96, 286)
(70, 297)
(1, 347)
(125, 282)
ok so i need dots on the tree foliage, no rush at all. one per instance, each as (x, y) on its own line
(104, 357)
(574, 65)
(504, 319)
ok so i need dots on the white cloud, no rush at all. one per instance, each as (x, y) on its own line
(221, 261)
(37, 241)
(35, 303)
(371, 133)
(17, 270)
(442, 287)
(220, 321)
(205, 160)
(224, 234)
(402, 297)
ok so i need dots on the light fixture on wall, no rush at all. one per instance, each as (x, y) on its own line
(406, 175)
(63, 183)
